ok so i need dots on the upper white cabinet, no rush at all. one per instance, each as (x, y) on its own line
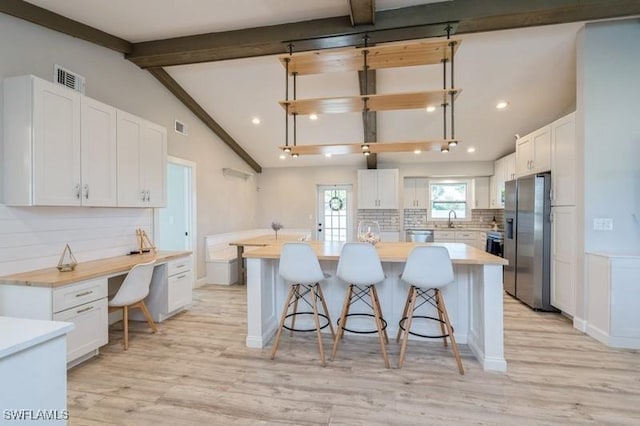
(416, 192)
(533, 152)
(480, 193)
(563, 161)
(142, 151)
(510, 167)
(62, 149)
(41, 143)
(504, 170)
(378, 189)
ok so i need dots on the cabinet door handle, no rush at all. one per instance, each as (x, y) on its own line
(181, 276)
(180, 266)
(148, 195)
(84, 293)
(78, 191)
(84, 310)
(86, 191)
(144, 195)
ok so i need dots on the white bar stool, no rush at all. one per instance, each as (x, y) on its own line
(428, 269)
(360, 267)
(300, 267)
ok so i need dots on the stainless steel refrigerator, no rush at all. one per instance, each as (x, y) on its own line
(527, 240)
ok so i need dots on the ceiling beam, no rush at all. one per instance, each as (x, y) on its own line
(369, 119)
(409, 23)
(362, 12)
(177, 90)
(37, 15)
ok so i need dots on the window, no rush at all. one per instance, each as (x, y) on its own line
(448, 195)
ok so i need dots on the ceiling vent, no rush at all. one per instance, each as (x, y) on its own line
(68, 78)
(181, 128)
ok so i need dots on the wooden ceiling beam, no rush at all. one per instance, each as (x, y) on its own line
(163, 77)
(43, 17)
(409, 23)
(362, 12)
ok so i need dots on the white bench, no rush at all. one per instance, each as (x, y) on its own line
(221, 258)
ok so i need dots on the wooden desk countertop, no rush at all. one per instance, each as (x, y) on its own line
(51, 277)
(461, 254)
(266, 240)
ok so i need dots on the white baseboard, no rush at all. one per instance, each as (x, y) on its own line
(200, 282)
(580, 324)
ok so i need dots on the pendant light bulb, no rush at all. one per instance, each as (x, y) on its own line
(364, 147)
(452, 144)
(366, 153)
(287, 150)
(295, 155)
(444, 149)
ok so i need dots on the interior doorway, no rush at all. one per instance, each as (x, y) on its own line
(176, 223)
(335, 213)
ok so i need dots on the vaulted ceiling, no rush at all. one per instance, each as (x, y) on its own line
(533, 68)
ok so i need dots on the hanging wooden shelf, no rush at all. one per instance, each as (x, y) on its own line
(395, 101)
(384, 56)
(374, 148)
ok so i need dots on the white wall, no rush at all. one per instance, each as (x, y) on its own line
(608, 135)
(223, 204)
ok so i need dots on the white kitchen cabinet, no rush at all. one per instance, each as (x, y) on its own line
(41, 143)
(98, 154)
(510, 167)
(499, 172)
(141, 159)
(563, 259)
(613, 293)
(171, 290)
(90, 331)
(457, 236)
(378, 189)
(481, 240)
(533, 152)
(416, 192)
(563, 161)
(481, 193)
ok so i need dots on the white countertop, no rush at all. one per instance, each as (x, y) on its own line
(17, 334)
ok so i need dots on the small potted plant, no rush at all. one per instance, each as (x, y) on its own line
(276, 226)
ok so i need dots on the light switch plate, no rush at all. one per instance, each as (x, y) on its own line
(603, 224)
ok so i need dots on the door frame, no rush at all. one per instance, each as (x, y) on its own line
(350, 208)
(194, 208)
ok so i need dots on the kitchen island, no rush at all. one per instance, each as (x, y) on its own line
(474, 300)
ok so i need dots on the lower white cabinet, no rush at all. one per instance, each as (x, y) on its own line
(90, 332)
(459, 236)
(563, 259)
(613, 293)
(171, 289)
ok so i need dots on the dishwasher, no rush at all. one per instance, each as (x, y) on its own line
(420, 235)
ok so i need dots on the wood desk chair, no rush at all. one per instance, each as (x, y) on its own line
(300, 267)
(131, 294)
(359, 266)
(428, 269)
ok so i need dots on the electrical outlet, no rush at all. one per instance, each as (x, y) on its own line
(603, 224)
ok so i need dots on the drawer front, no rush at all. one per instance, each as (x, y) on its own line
(179, 290)
(444, 235)
(83, 292)
(179, 266)
(91, 327)
(466, 235)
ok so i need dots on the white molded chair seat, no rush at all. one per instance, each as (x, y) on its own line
(300, 267)
(428, 269)
(359, 266)
(131, 294)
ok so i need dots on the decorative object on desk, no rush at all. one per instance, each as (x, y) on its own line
(144, 243)
(67, 261)
(276, 226)
(369, 231)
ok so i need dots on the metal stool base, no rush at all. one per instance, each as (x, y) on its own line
(401, 325)
(307, 329)
(384, 324)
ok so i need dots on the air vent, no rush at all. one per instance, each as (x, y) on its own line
(68, 78)
(181, 128)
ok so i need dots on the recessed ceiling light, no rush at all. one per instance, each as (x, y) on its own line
(282, 156)
(255, 120)
(471, 150)
(416, 151)
(328, 155)
(431, 108)
(502, 105)
(313, 117)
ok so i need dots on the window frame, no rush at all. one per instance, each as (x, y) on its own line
(468, 201)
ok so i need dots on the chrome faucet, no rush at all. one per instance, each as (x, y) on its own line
(454, 216)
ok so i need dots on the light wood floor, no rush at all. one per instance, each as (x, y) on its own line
(197, 371)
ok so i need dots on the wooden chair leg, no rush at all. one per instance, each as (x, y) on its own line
(296, 294)
(343, 321)
(285, 309)
(404, 314)
(377, 303)
(326, 311)
(407, 325)
(147, 315)
(442, 325)
(378, 316)
(316, 319)
(454, 346)
(125, 322)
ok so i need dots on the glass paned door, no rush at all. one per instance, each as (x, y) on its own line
(335, 220)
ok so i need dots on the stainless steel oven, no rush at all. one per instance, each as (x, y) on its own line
(495, 243)
(420, 235)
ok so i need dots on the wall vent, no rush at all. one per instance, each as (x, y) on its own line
(181, 128)
(68, 78)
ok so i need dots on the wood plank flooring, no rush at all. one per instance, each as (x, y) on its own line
(198, 371)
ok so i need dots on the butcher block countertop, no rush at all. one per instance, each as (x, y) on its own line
(461, 254)
(51, 277)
